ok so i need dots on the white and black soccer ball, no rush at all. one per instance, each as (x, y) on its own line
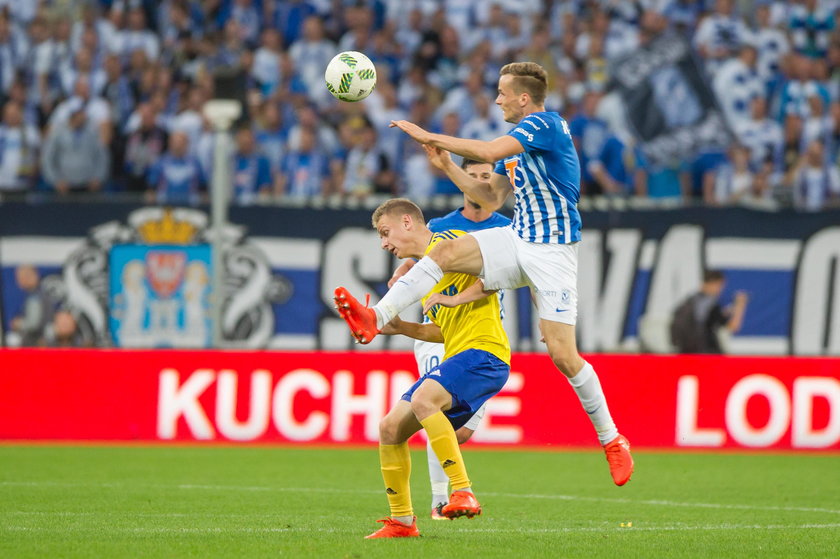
(350, 76)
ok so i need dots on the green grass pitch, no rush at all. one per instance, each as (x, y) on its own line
(194, 501)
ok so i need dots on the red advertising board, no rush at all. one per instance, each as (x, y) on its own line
(338, 398)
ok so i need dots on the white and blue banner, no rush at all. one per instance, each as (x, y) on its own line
(284, 263)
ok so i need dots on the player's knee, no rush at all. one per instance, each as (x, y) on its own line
(388, 430)
(463, 434)
(569, 362)
(423, 407)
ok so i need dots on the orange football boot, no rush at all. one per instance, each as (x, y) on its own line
(361, 319)
(436, 514)
(395, 529)
(461, 503)
(619, 459)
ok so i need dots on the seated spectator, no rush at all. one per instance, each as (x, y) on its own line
(19, 145)
(142, 148)
(251, 170)
(814, 184)
(177, 177)
(696, 322)
(35, 312)
(74, 159)
(734, 180)
(305, 170)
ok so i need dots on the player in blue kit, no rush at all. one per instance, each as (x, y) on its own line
(537, 161)
(470, 217)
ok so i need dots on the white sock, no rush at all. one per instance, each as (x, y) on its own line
(409, 289)
(439, 479)
(588, 388)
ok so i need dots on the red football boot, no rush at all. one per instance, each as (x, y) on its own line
(619, 459)
(461, 503)
(395, 529)
(360, 318)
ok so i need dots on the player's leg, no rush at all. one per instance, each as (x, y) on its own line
(552, 270)
(395, 463)
(456, 255)
(428, 356)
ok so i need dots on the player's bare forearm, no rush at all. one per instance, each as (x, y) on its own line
(483, 193)
(426, 332)
(475, 292)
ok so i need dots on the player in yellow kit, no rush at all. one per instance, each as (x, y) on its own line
(476, 366)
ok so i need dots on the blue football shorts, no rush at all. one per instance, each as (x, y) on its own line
(472, 377)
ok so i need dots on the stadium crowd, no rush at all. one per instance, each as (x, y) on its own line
(107, 96)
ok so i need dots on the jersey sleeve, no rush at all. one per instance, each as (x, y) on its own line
(500, 168)
(534, 133)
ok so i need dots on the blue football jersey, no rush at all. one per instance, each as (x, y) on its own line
(456, 220)
(545, 180)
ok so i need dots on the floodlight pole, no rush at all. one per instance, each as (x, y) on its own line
(221, 113)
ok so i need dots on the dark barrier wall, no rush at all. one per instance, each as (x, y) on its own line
(635, 266)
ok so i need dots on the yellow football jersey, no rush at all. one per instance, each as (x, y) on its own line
(476, 325)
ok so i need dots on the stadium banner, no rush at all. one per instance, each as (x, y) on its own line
(668, 102)
(283, 264)
(676, 402)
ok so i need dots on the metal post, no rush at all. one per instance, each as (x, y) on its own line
(221, 114)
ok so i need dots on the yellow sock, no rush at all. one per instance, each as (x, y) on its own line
(395, 461)
(445, 444)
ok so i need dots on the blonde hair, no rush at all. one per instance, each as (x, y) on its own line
(528, 77)
(397, 206)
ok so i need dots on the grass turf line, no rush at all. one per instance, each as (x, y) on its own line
(270, 502)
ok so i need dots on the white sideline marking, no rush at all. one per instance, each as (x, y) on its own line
(353, 530)
(618, 500)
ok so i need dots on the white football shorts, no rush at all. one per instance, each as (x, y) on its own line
(429, 355)
(550, 270)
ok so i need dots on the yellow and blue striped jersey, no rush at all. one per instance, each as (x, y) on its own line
(476, 325)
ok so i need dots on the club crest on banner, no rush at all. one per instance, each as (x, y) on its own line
(146, 283)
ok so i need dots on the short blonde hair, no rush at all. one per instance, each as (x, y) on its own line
(397, 206)
(528, 77)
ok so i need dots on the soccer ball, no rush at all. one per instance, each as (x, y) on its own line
(351, 76)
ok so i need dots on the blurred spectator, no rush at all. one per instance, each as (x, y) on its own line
(96, 109)
(771, 43)
(736, 84)
(116, 90)
(305, 170)
(136, 36)
(143, 147)
(696, 323)
(19, 145)
(368, 170)
(618, 169)
(589, 134)
(63, 331)
(177, 177)
(815, 185)
(720, 34)
(271, 135)
(251, 170)
(266, 67)
(35, 312)
(811, 23)
(74, 158)
(762, 135)
(734, 179)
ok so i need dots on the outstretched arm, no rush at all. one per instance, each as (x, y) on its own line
(489, 195)
(475, 292)
(492, 151)
(428, 332)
